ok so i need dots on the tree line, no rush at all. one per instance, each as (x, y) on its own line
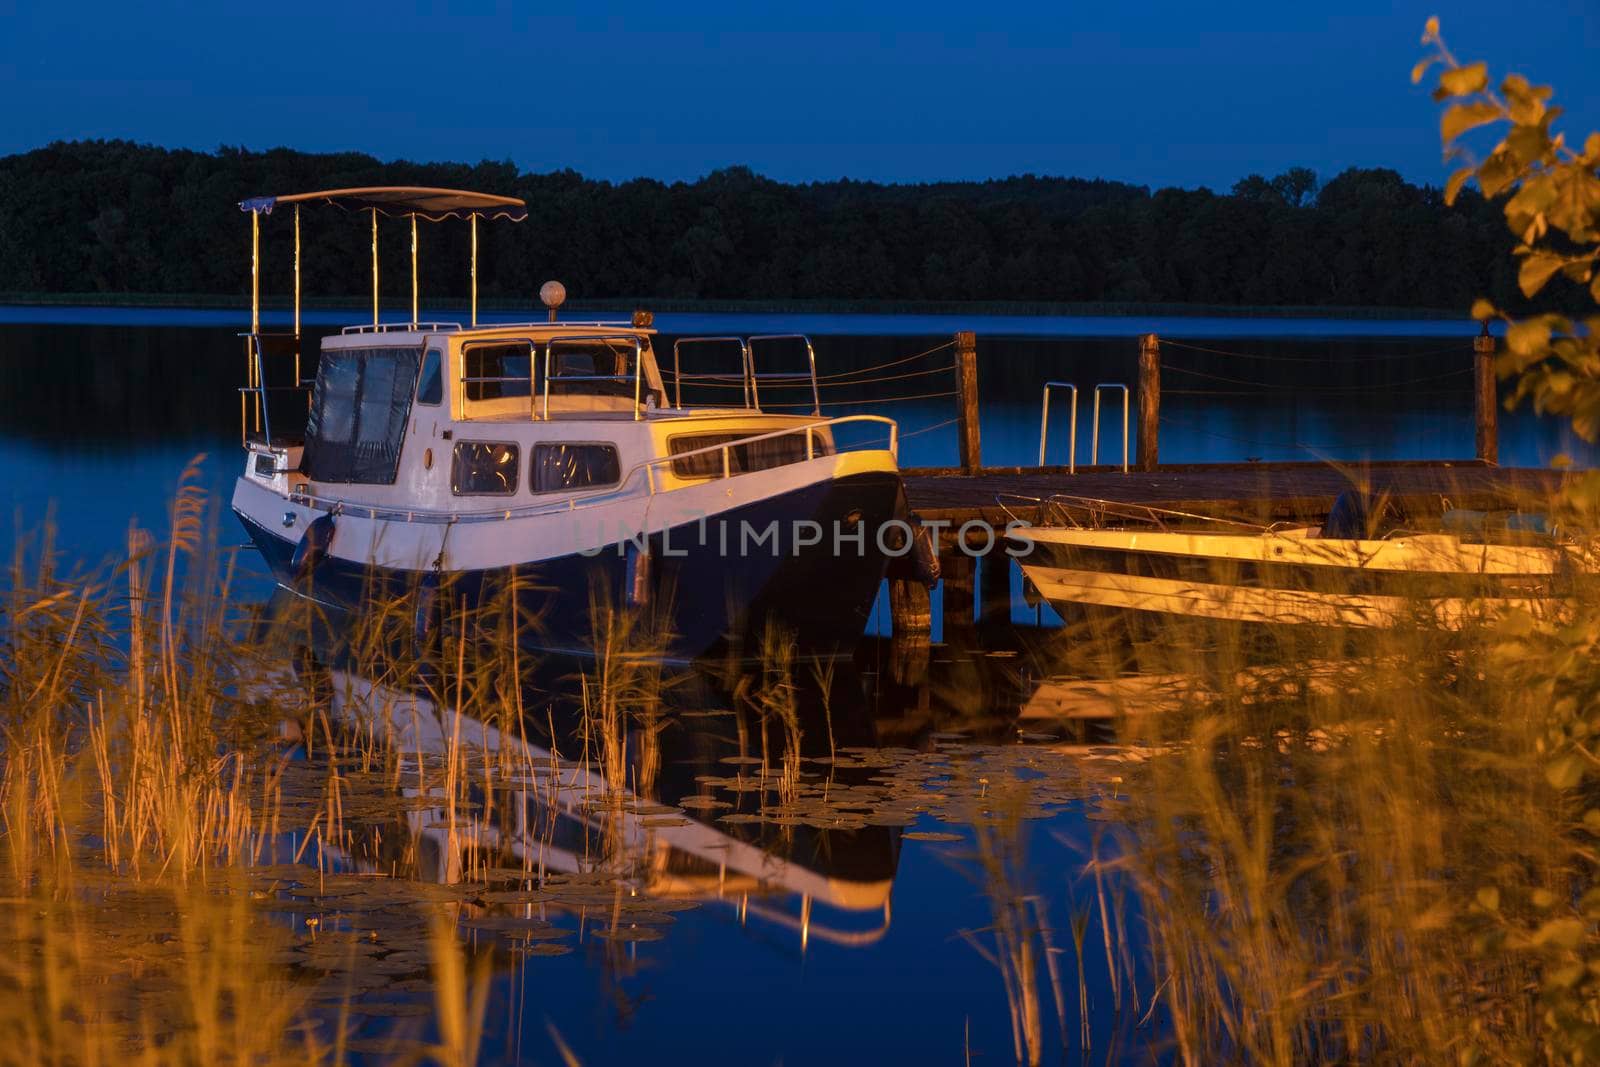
(114, 217)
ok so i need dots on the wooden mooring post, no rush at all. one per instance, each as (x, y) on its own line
(967, 401)
(910, 607)
(994, 587)
(960, 573)
(1486, 401)
(1149, 401)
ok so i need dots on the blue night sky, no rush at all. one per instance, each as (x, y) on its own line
(1178, 93)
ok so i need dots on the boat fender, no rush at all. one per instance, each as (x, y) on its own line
(1348, 519)
(1360, 515)
(313, 547)
(427, 610)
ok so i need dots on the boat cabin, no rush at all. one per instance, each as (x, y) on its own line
(450, 416)
(513, 412)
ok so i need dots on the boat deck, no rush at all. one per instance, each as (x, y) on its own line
(1267, 492)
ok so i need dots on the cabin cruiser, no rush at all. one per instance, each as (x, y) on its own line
(1350, 572)
(554, 460)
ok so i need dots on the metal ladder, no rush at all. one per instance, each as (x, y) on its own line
(1072, 428)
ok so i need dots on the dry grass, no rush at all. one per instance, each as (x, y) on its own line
(1307, 852)
(142, 779)
(1299, 871)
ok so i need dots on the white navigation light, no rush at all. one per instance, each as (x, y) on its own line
(554, 294)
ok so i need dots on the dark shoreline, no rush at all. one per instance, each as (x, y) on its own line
(768, 307)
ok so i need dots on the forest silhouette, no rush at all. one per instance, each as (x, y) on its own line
(114, 219)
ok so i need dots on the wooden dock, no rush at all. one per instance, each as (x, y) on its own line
(976, 582)
(976, 586)
(1266, 492)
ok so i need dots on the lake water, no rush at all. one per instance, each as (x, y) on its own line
(885, 926)
(102, 407)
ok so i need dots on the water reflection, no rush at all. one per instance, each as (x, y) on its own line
(813, 812)
(657, 832)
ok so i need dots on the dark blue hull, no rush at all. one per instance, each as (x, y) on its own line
(700, 589)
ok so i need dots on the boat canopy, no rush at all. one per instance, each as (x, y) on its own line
(405, 201)
(435, 205)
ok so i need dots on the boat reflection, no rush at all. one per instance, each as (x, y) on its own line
(512, 808)
(587, 810)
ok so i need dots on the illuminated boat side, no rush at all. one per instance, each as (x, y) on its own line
(551, 458)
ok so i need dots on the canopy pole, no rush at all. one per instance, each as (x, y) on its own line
(474, 268)
(413, 271)
(255, 327)
(297, 295)
(297, 270)
(374, 266)
(255, 272)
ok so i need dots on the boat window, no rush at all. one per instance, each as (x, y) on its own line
(359, 409)
(590, 369)
(430, 383)
(742, 459)
(574, 466)
(484, 468)
(570, 364)
(599, 368)
(333, 409)
(494, 371)
(377, 392)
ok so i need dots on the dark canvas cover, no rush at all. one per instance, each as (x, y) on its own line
(358, 417)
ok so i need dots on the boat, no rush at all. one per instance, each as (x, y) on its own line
(553, 460)
(1350, 572)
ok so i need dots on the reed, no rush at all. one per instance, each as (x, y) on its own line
(1335, 847)
(141, 779)
(1327, 831)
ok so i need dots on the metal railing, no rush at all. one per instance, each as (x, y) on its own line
(743, 377)
(1072, 425)
(637, 375)
(1094, 448)
(257, 389)
(751, 379)
(781, 376)
(403, 327)
(642, 472)
(1072, 430)
(563, 324)
(449, 327)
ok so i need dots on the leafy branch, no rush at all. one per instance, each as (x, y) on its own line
(1552, 206)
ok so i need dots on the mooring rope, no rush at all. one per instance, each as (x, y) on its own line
(947, 368)
(1456, 348)
(884, 366)
(1297, 445)
(1284, 387)
(870, 400)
